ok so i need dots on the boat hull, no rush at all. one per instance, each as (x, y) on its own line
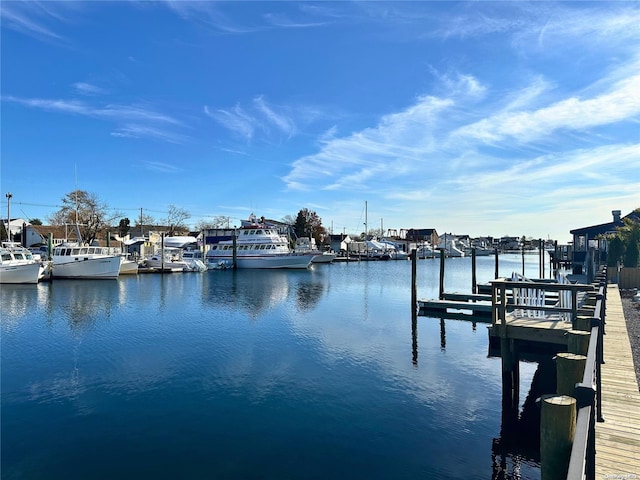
(264, 261)
(99, 268)
(25, 273)
(129, 267)
(323, 258)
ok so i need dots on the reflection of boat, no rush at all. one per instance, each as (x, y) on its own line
(308, 245)
(17, 264)
(256, 246)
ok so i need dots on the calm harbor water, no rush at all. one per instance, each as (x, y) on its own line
(252, 375)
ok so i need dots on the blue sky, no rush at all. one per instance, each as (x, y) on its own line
(479, 118)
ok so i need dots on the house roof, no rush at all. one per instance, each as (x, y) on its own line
(604, 228)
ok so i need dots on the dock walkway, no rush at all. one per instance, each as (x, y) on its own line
(618, 437)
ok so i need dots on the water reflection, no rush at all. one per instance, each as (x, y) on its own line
(519, 440)
(257, 291)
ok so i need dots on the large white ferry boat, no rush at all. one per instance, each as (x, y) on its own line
(256, 246)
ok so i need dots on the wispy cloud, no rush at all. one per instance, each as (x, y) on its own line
(128, 118)
(620, 103)
(260, 116)
(88, 89)
(161, 167)
(37, 19)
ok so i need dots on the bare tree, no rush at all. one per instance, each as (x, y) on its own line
(176, 218)
(215, 222)
(87, 211)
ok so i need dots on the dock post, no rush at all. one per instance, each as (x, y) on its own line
(162, 253)
(541, 257)
(578, 342)
(570, 370)
(557, 428)
(50, 253)
(474, 286)
(441, 296)
(414, 306)
(235, 249)
(510, 375)
(414, 290)
(496, 272)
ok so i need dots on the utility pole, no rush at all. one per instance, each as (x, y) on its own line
(9, 236)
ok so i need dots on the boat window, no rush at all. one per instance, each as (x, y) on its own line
(76, 251)
(259, 232)
(5, 257)
(267, 232)
(246, 232)
(18, 256)
(68, 252)
(83, 251)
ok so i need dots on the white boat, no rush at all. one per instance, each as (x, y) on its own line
(425, 250)
(173, 259)
(17, 264)
(449, 245)
(308, 245)
(128, 266)
(82, 261)
(257, 246)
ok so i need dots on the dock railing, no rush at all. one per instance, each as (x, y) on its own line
(588, 394)
(532, 298)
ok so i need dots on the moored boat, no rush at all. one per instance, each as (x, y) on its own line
(256, 246)
(82, 261)
(17, 264)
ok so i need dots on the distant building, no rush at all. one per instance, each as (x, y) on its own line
(419, 235)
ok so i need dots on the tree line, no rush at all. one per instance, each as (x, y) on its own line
(94, 218)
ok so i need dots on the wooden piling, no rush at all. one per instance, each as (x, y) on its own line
(582, 323)
(578, 342)
(496, 265)
(474, 283)
(570, 370)
(510, 374)
(235, 249)
(557, 428)
(414, 289)
(442, 255)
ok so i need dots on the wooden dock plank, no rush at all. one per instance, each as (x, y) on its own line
(618, 437)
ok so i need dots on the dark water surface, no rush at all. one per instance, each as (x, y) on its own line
(252, 375)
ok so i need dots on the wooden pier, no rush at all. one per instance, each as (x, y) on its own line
(618, 437)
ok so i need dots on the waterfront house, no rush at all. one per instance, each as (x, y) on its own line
(587, 239)
(421, 235)
(339, 242)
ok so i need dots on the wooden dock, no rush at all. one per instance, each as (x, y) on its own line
(477, 306)
(618, 437)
